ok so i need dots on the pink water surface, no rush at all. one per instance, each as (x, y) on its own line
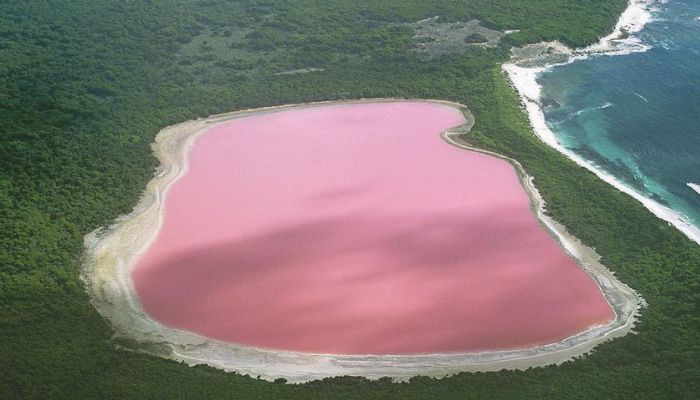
(355, 229)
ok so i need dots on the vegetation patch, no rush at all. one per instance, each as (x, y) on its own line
(435, 38)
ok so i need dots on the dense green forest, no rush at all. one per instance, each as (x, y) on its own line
(85, 85)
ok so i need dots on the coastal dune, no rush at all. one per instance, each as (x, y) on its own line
(227, 330)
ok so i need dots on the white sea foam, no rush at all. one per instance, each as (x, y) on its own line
(601, 107)
(632, 20)
(694, 186)
(525, 82)
(640, 96)
(585, 110)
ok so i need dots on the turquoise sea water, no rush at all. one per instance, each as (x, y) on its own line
(637, 116)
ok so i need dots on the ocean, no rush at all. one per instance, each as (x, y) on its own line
(634, 115)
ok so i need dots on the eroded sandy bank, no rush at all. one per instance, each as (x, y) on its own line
(112, 252)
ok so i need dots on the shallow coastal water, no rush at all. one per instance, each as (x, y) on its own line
(637, 116)
(355, 229)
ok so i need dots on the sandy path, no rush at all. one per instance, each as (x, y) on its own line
(111, 253)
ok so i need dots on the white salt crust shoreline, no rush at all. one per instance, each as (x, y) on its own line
(112, 253)
(524, 80)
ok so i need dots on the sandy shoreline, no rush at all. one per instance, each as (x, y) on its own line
(112, 252)
(529, 62)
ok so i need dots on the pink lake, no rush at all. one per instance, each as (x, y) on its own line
(355, 229)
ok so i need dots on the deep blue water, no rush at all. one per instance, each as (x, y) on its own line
(637, 116)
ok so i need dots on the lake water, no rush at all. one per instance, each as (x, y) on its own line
(356, 229)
